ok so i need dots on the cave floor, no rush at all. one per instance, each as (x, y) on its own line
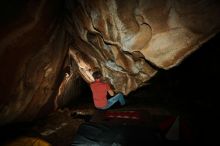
(60, 127)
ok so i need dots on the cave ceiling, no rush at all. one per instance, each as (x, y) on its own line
(129, 41)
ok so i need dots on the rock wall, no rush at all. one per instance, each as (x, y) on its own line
(130, 40)
(32, 53)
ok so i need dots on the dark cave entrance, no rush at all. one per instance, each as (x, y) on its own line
(194, 81)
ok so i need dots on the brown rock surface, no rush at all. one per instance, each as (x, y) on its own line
(130, 40)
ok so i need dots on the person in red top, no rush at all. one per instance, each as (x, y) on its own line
(100, 91)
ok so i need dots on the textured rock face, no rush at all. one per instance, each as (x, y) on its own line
(127, 40)
(32, 52)
(130, 40)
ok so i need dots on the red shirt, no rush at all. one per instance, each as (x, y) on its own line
(99, 91)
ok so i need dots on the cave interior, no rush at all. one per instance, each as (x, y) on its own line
(189, 91)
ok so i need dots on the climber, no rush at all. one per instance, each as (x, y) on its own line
(100, 91)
